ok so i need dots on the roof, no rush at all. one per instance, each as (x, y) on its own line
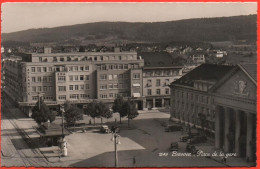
(158, 59)
(51, 129)
(250, 68)
(205, 72)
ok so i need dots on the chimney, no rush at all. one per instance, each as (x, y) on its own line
(47, 50)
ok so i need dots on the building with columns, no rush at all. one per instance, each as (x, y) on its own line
(235, 111)
(221, 100)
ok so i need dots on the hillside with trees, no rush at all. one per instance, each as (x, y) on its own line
(203, 29)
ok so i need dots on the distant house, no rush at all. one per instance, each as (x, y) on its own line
(220, 54)
(187, 50)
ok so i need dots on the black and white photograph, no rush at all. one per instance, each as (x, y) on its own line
(110, 84)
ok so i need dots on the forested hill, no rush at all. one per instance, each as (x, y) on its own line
(203, 29)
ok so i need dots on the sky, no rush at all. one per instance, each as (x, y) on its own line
(23, 16)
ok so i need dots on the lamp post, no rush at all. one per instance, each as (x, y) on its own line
(64, 151)
(115, 138)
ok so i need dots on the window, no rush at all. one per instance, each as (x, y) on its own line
(158, 91)
(167, 82)
(167, 91)
(44, 88)
(61, 78)
(39, 88)
(120, 76)
(115, 66)
(44, 78)
(125, 66)
(149, 91)
(62, 88)
(103, 87)
(103, 67)
(33, 69)
(81, 68)
(81, 77)
(34, 89)
(62, 59)
(103, 96)
(111, 67)
(71, 78)
(167, 73)
(50, 78)
(38, 69)
(76, 68)
(33, 79)
(74, 96)
(158, 82)
(110, 77)
(103, 77)
(71, 87)
(62, 97)
(81, 87)
(35, 97)
(87, 86)
(50, 88)
(148, 74)
(158, 73)
(115, 76)
(111, 95)
(95, 58)
(116, 86)
(76, 87)
(110, 86)
(50, 69)
(39, 79)
(86, 68)
(136, 76)
(76, 78)
(44, 69)
(87, 77)
(120, 66)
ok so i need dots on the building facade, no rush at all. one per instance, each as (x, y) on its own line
(77, 77)
(221, 101)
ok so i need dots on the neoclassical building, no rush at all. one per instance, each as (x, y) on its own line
(222, 100)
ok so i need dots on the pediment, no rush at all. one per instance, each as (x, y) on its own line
(236, 84)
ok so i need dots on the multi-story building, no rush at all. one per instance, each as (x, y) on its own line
(158, 72)
(222, 100)
(78, 77)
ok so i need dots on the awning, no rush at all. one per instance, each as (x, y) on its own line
(136, 85)
(136, 94)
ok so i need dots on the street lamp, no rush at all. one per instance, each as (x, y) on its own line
(115, 138)
(64, 151)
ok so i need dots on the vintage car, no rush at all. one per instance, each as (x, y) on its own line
(174, 146)
(185, 137)
(105, 129)
(173, 128)
(197, 139)
(191, 148)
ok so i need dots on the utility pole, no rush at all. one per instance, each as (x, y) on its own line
(116, 158)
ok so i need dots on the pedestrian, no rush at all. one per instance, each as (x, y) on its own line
(134, 161)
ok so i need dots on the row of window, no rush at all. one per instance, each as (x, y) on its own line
(75, 87)
(158, 82)
(192, 97)
(161, 73)
(42, 79)
(42, 88)
(113, 76)
(112, 95)
(117, 66)
(44, 97)
(78, 77)
(78, 96)
(60, 68)
(113, 86)
(158, 91)
(195, 109)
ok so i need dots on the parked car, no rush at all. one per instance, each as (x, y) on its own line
(105, 129)
(197, 139)
(185, 138)
(174, 146)
(191, 148)
(172, 128)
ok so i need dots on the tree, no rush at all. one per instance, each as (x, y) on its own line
(41, 113)
(72, 115)
(129, 107)
(118, 106)
(93, 110)
(104, 111)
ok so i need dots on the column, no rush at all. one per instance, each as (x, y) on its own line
(163, 102)
(144, 104)
(226, 130)
(237, 132)
(249, 134)
(217, 127)
(153, 102)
